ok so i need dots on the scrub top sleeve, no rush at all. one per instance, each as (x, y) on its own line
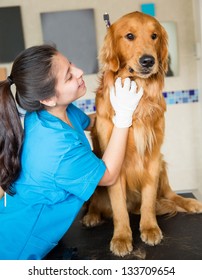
(86, 122)
(84, 119)
(79, 172)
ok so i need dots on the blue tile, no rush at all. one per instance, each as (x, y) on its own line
(183, 96)
(185, 100)
(191, 92)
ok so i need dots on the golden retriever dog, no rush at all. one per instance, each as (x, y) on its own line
(135, 46)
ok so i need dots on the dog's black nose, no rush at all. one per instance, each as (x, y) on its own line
(147, 61)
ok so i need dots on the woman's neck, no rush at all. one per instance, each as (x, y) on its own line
(60, 112)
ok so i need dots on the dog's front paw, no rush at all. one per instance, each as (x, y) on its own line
(151, 236)
(91, 220)
(121, 246)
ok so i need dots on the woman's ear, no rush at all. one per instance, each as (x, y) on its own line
(49, 102)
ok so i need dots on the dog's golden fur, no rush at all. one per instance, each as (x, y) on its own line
(143, 185)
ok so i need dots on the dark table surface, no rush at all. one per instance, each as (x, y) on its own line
(182, 240)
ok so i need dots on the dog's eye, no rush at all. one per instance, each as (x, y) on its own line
(130, 36)
(154, 36)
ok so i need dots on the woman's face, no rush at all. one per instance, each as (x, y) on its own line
(69, 81)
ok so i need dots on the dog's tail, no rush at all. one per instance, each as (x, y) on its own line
(166, 207)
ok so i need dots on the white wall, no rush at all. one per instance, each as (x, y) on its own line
(182, 146)
(179, 11)
(197, 14)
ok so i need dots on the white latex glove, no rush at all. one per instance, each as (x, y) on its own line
(124, 101)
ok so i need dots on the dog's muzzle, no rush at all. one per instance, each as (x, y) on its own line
(147, 61)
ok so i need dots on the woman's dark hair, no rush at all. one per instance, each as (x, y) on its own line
(34, 80)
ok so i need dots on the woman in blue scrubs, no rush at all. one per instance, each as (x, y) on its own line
(47, 169)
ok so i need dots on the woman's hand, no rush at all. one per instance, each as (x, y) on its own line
(124, 101)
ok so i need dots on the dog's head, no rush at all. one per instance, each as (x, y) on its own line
(135, 46)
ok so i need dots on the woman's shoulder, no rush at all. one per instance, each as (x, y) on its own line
(45, 126)
(79, 115)
(73, 108)
(30, 119)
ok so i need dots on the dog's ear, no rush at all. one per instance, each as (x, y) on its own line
(164, 49)
(108, 56)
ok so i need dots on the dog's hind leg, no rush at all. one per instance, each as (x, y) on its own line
(181, 203)
(121, 243)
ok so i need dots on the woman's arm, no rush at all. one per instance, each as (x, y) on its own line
(124, 101)
(114, 155)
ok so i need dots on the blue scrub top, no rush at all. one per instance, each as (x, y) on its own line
(59, 172)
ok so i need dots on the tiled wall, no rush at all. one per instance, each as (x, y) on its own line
(182, 96)
(171, 97)
(86, 105)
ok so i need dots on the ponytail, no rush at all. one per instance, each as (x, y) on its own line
(11, 137)
(34, 79)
